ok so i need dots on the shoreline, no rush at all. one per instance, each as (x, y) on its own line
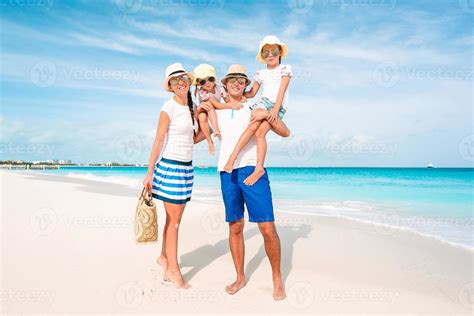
(72, 241)
(129, 189)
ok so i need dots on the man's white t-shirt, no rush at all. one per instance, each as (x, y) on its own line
(179, 142)
(232, 124)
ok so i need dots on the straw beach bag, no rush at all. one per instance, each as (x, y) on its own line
(146, 220)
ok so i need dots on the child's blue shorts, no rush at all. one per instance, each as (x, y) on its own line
(257, 198)
(265, 104)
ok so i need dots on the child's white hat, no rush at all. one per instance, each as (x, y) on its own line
(271, 39)
(203, 71)
(175, 70)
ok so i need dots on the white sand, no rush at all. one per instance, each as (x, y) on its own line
(67, 246)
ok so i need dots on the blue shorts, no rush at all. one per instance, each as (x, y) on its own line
(257, 198)
(265, 104)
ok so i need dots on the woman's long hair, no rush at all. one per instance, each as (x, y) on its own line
(191, 108)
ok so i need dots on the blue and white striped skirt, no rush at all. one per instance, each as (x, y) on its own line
(173, 181)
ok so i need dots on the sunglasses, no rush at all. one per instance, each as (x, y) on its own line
(274, 52)
(203, 81)
(237, 79)
(174, 81)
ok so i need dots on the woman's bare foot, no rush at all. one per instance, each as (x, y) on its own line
(212, 149)
(217, 133)
(163, 262)
(178, 280)
(234, 287)
(256, 174)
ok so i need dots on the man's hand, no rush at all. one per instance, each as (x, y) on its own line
(273, 117)
(205, 106)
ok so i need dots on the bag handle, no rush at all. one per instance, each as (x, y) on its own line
(147, 197)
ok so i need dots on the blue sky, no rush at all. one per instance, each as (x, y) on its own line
(376, 82)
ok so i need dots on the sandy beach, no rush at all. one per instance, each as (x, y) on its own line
(68, 247)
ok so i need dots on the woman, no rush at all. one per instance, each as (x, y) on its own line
(171, 179)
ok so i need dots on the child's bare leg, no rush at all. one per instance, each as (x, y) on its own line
(202, 117)
(213, 118)
(243, 140)
(259, 171)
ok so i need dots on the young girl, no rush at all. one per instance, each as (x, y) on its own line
(274, 80)
(208, 91)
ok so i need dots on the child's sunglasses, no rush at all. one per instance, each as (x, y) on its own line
(174, 81)
(237, 79)
(203, 81)
(274, 51)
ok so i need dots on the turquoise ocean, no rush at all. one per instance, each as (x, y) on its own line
(434, 202)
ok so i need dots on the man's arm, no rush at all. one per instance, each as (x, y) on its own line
(253, 91)
(222, 106)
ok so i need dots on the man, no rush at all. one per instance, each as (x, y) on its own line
(257, 198)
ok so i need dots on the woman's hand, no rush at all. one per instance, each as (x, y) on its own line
(148, 181)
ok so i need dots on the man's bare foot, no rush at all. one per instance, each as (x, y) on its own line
(256, 174)
(163, 262)
(178, 280)
(212, 149)
(279, 293)
(229, 166)
(234, 287)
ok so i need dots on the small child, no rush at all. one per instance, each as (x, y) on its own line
(274, 81)
(207, 91)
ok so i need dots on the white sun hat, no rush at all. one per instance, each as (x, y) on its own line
(271, 39)
(203, 71)
(175, 70)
